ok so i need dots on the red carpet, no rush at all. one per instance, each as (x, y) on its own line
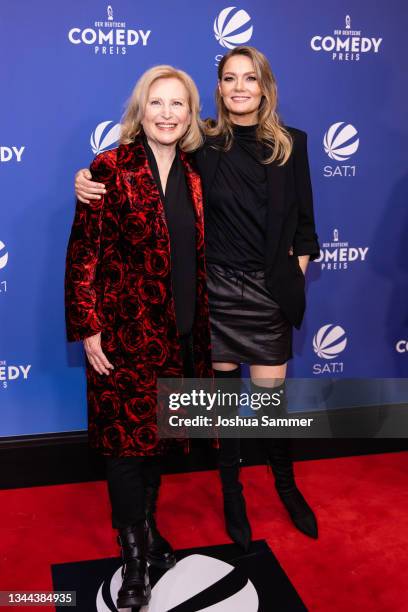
(358, 563)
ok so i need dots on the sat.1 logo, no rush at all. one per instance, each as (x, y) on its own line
(340, 143)
(232, 27)
(328, 343)
(4, 256)
(103, 138)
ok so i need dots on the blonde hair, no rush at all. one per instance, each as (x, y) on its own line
(270, 129)
(132, 118)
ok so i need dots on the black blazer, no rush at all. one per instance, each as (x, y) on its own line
(290, 221)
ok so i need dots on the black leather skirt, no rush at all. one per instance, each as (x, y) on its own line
(247, 325)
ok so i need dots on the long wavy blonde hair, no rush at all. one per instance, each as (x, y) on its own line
(131, 124)
(270, 129)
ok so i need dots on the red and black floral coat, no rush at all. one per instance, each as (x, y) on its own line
(118, 282)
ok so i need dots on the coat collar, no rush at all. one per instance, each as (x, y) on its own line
(133, 157)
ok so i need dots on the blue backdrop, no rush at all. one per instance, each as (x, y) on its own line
(71, 67)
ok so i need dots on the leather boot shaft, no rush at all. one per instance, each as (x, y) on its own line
(159, 551)
(135, 589)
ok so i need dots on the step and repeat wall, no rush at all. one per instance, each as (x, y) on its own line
(67, 71)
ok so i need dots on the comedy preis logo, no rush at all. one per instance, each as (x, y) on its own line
(11, 373)
(108, 36)
(11, 154)
(401, 346)
(346, 43)
(338, 254)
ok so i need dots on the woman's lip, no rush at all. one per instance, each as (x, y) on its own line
(163, 126)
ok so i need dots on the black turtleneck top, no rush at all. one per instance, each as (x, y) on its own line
(236, 208)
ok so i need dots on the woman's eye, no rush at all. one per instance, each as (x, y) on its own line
(228, 78)
(154, 102)
(251, 78)
(177, 103)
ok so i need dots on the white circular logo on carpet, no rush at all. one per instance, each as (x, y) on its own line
(190, 577)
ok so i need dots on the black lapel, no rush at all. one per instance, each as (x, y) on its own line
(276, 184)
(207, 161)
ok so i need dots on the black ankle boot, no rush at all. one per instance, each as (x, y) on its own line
(135, 589)
(278, 452)
(236, 520)
(159, 552)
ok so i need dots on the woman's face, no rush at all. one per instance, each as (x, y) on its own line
(167, 115)
(240, 90)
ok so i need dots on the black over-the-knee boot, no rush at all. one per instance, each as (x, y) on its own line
(236, 519)
(278, 455)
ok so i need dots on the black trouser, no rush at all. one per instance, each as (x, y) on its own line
(128, 477)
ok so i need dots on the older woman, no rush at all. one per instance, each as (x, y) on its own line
(138, 316)
(260, 235)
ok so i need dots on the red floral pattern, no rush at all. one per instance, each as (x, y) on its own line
(118, 282)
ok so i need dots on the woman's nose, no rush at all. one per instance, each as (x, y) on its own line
(166, 111)
(239, 84)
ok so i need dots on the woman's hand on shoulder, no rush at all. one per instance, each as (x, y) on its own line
(86, 189)
(95, 354)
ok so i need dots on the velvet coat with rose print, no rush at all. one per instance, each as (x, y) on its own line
(118, 282)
